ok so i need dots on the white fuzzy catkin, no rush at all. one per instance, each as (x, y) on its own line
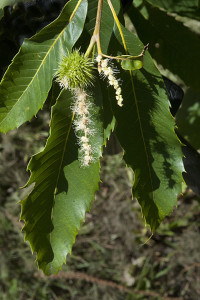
(103, 67)
(81, 109)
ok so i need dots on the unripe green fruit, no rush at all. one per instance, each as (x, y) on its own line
(132, 64)
(75, 71)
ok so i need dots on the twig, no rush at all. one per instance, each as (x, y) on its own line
(102, 282)
(96, 34)
(187, 268)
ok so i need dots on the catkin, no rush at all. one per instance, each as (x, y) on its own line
(82, 125)
(103, 67)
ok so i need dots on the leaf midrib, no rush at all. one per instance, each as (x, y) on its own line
(141, 130)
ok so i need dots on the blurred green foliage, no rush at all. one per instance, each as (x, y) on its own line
(188, 117)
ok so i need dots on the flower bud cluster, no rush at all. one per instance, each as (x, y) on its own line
(108, 71)
(82, 125)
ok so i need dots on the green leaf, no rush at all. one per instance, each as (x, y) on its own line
(63, 191)
(174, 46)
(26, 84)
(107, 24)
(145, 129)
(186, 8)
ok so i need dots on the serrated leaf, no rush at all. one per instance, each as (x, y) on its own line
(146, 133)
(26, 84)
(174, 45)
(63, 191)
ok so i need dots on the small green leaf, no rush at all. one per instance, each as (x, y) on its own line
(63, 190)
(26, 84)
(132, 64)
